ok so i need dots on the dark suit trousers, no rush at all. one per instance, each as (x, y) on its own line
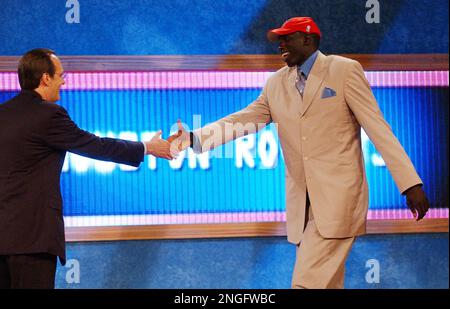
(27, 271)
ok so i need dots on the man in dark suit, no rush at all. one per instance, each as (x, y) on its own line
(35, 134)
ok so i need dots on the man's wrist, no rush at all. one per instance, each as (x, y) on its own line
(412, 188)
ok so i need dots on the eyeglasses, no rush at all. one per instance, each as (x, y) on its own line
(63, 75)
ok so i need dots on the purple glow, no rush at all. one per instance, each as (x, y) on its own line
(216, 80)
(235, 217)
(396, 214)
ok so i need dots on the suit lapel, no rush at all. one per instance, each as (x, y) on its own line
(315, 79)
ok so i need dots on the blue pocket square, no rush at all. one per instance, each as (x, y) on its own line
(328, 92)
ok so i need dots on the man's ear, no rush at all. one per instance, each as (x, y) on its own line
(308, 41)
(45, 79)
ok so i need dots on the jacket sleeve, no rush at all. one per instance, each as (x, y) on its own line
(364, 106)
(63, 134)
(246, 121)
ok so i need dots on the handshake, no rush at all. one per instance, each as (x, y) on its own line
(170, 148)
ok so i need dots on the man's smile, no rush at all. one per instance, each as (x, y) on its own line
(284, 54)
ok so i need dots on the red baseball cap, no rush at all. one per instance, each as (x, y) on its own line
(302, 24)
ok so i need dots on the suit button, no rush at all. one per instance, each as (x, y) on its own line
(304, 138)
(305, 158)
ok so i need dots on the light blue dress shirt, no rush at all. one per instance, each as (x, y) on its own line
(306, 67)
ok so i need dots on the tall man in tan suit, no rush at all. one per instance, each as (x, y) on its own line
(319, 104)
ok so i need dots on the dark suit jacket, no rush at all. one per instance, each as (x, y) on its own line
(34, 138)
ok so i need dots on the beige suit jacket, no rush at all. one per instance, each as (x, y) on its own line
(321, 143)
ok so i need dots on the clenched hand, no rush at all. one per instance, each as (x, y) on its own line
(417, 201)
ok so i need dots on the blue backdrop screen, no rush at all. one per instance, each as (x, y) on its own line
(252, 179)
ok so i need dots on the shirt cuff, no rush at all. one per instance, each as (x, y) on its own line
(195, 143)
(145, 148)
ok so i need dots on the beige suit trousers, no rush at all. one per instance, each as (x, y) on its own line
(320, 262)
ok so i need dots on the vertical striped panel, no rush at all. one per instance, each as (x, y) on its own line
(137, 102)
